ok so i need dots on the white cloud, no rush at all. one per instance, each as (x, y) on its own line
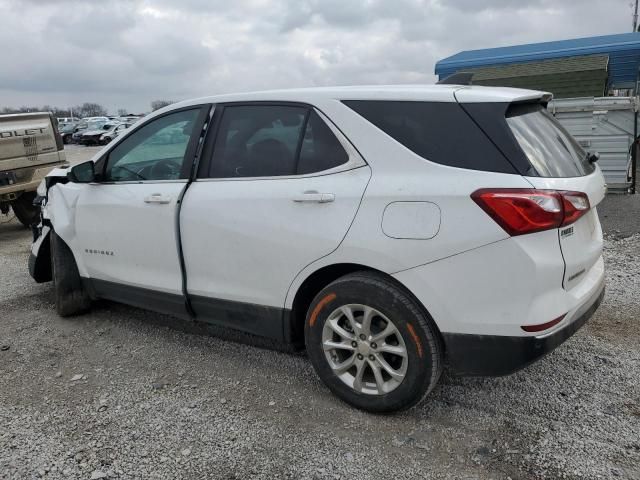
(125, 53)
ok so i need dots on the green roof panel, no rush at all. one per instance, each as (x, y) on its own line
(578, 76)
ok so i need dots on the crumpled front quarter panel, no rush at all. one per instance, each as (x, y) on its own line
(61, 209)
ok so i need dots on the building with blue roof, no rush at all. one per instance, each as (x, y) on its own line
(590, 66)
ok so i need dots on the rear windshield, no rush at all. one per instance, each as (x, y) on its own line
(551, 150)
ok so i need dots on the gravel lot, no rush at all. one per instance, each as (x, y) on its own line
(118, 393)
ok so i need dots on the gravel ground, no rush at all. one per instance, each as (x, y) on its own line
(616, 211)
(118, 393)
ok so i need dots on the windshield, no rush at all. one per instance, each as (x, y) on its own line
(95, 125)
(552, 151)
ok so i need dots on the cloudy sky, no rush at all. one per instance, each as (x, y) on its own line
(125, 53)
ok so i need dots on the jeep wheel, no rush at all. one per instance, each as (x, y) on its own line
(372, 344)
(71, 297)
(26, 212)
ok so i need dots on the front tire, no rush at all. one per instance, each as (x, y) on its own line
(372, 344)
(71, 296)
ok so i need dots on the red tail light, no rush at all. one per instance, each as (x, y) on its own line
(523, 210)
(575, 205)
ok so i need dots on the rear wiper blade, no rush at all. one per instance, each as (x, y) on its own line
(592, 157)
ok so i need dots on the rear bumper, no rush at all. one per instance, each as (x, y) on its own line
(34, 176)
(494, 355)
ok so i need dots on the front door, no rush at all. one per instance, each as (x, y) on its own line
(277, 191)
(126, 223)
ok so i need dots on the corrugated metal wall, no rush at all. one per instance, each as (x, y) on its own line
(604, 125)
(582, 76)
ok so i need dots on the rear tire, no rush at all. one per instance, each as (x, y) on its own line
(71, 297)
(367, 323)
(26, 212)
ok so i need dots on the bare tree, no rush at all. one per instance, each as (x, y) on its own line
(25, 109)
(122, 112)
(86, 110)
(157, 104)
(89, 109)
(61, 112)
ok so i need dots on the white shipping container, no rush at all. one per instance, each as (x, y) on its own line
(605, 125)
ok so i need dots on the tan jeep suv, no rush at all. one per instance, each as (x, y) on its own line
(30, 146)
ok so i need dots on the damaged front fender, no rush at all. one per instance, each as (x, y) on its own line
(40, 257)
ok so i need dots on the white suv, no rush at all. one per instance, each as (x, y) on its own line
(387, 229)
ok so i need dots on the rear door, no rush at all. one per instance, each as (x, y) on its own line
(562, 164)
(277, 190)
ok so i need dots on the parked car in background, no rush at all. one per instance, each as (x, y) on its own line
(92, 136)
(66, 132)
(389, 230)
(30, 147)
(115, 131)
(130, 118)
(91, 123)
(66, 120)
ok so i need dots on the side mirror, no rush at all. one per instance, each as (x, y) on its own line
(82, 173)
(593, 157)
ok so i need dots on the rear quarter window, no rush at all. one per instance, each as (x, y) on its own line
(441, 132)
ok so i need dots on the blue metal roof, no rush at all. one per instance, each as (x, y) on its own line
(623, 50)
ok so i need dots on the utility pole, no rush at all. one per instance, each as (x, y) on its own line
(635, 17)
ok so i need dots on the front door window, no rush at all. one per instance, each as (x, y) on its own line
(154, 152)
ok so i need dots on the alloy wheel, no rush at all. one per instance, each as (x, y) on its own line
(365, 349)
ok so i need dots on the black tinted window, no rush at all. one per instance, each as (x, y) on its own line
(551, 150)
(257, 141)
(441, 132)
(273, 140)
(320, 149)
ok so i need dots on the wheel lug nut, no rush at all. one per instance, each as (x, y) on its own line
(372, 358)
(373, 345)
(354, 344)
(360, 357)
(363, 336)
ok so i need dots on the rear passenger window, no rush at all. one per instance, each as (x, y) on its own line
(441, 132)
(273, 140)
(257, 141)
(320, 150)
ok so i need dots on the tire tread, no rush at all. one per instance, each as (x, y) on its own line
(435, 346)
(71, 296)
